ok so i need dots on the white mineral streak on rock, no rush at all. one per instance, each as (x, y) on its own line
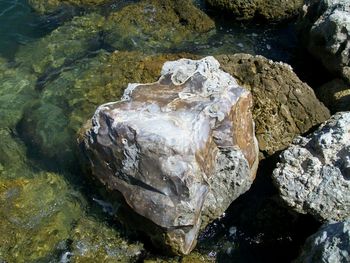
(313, 175)
(179, 150)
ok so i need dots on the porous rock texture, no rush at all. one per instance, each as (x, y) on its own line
(330, 244)
(179, 150)
(284, 106)
(313, 175)
(326, 28)
(272, 10)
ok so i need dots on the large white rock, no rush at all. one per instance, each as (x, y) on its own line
(179, 151)
(313, 175)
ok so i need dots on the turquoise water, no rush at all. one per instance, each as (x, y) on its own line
(55, 69)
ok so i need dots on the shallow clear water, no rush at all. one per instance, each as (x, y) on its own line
(54, 70)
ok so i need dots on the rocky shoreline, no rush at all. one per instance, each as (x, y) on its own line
(174, 159)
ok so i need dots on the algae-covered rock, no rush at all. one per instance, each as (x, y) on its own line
(94, 241)
(284, 106)
(68, 100)
(47, 6)
(65, 44)
(335, 95)
(152, 24)
(12, 155)
(17, 88)
(37, 215)
(272, 10)
(194, 257)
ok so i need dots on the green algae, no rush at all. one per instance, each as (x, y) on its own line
(151, 25)
(13, 159)
(62, 46)
(17, 88)
(95, 241)
(48, 6)
(37, 216)
(66, 102)
(194, 257)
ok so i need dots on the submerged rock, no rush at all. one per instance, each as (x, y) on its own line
(66, 101)
(272, 10)
(48, 6)
(313, 174)
(150, 25)
(13, 159)
(62, 46)
(330, 244)
(335, 95)
(37, 215)
(329, 34)
(179, 150)
(284, 106)
(17, 89)
(94, 241)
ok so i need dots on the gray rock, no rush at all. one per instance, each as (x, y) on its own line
(313, 175)
(331, 244)
(329, 36)
(179, 150)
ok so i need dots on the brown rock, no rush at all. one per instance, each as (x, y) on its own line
(284, 106)
(272, 10)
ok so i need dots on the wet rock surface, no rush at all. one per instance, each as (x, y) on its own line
(95, 241)
(166, 144)
(329, 34)
(274, 10)
(151, 24)
(329, 244)
(62, 46)
(47, 6)
(313, 174)
(284, 106)
(50, 122)
(36, 214)
(17, 90)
